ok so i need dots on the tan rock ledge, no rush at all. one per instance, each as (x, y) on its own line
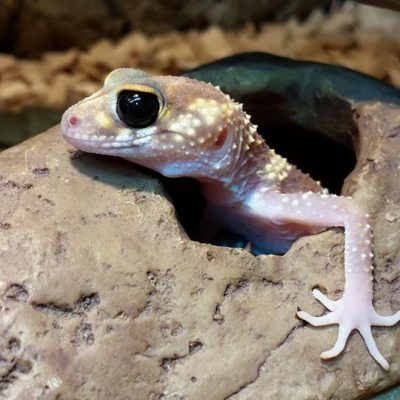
(103, 296)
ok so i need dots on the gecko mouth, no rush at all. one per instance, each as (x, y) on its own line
(92, 144)
(95, 142)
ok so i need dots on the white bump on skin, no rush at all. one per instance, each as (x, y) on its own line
(177, 138)
(124, 134)
(209, 110)
(196, 122)
(183, 124)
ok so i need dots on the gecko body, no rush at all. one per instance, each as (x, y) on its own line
(182, 127)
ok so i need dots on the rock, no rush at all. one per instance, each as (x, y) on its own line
(103, 295)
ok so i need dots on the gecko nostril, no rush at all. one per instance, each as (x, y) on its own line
(73, 120)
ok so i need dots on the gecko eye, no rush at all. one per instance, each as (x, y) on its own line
(137, 109)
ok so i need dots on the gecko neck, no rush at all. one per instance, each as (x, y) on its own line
(253, 165)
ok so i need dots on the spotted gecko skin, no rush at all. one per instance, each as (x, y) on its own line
(202, 133)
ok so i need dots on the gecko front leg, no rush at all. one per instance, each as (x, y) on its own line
(354, 311)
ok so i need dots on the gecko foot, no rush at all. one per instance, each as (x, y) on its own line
(349, 316)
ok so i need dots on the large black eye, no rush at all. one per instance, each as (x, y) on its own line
(137, 109)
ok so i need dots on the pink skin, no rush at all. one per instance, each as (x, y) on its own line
(201, 133)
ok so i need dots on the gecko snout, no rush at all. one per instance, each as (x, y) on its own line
(69, 121)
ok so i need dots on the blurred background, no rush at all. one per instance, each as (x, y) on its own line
(53, 52)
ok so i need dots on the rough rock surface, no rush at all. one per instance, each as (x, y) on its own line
(102, 294)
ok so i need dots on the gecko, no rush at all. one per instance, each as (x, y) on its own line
(181, 127)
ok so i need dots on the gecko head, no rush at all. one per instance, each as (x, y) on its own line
(174, 125)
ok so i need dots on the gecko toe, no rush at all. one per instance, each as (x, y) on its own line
(327, 319)
(372, 347)
(385, 320)
(343, 334)
(331, 305)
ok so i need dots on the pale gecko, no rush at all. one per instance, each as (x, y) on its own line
(181, 127)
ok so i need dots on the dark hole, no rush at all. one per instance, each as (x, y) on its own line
(324, 159)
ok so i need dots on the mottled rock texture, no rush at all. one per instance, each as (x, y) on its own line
(103, 295)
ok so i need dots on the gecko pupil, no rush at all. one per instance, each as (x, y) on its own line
(137, 109)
